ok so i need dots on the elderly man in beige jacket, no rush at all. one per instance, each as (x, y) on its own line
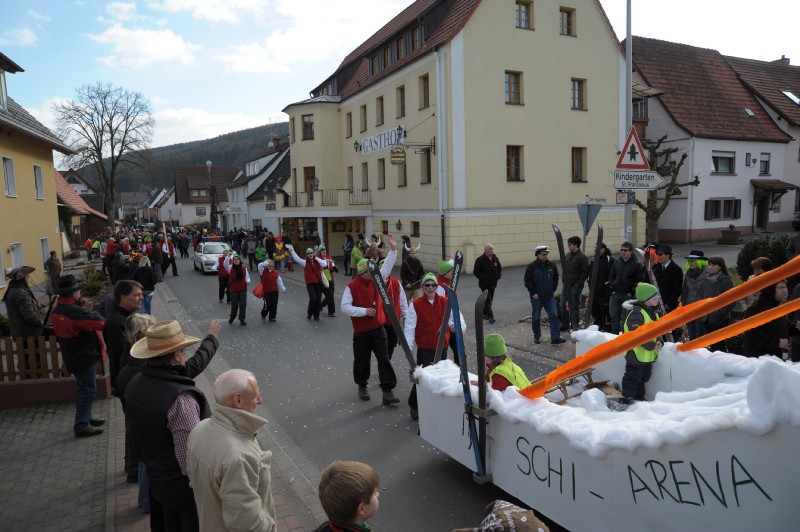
(228, 470)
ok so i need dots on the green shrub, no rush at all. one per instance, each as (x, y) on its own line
(771, 246)
(92, 281)
(5, 326)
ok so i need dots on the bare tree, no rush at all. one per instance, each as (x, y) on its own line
(107, 127)
(669, 170)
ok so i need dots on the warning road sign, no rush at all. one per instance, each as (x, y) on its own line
(632, 156)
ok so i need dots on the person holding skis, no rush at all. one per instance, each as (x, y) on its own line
(575, 275)
(626, 272)
(362, 302)
(423, 321)
(602, 291)
(399, 302)
(411, 273)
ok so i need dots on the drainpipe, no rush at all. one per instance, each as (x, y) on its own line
(441, 156)
(691, 194)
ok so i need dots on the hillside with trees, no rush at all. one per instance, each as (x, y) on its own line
(234, 148)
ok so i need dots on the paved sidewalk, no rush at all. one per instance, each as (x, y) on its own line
(52, 481)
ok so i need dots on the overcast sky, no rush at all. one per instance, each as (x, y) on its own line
(214, 66)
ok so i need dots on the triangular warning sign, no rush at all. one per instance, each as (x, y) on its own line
(632, 156)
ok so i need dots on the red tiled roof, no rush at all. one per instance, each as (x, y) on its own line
(767, 79)
(196, 176)
(702, 93)
(72, 199)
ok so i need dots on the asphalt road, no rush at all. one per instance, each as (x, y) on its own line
(305, 372)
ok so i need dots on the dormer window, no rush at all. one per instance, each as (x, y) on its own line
(3, 93)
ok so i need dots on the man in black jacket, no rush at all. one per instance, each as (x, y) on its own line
(625, 274)
(487, 269)
(164, 405)
(669, 277)
(575, 275)
(541, 280)
(78, 332)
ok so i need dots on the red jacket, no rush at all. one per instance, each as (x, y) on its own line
(429, 320)
(269, 280)
(393, 288)
(237, 282)
(366, 295)
(221, 271)
(313, 272)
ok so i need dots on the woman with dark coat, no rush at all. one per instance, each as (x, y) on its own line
(772, 337)
(718, 281)
(600, 313)
(146, 276)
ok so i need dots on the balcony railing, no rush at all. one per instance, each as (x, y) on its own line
(360, 197)
(309, 198)
(330, 197)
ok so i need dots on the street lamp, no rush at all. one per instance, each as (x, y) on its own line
(213, 192)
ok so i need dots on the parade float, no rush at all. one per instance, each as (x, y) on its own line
(714, 446)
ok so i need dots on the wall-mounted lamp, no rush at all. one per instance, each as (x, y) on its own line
(401, 134)
(316, 183)
(357, 146)
(399, 225)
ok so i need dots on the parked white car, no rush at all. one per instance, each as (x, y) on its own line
(207, 254)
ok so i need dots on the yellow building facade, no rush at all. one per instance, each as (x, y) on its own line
(29, 226)
(509, 113)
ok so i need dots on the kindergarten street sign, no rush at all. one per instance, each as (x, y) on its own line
(633, 180)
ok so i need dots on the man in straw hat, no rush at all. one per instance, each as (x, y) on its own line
(21, 304)
(362, 302)
(78, 332)
(229, 471)
(164, 405)
(503, 516)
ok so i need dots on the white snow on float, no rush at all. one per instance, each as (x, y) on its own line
(714, 445)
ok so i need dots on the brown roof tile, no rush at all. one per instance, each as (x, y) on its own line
(72, 199)
(767, 79)
(197, 175)
(702, 93)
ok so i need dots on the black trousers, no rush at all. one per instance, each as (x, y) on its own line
(391, 339)
(314, 299)
(636, 375)
(488, 313)
(270, 305)
(328, 299)
(223, 288)
(239, 304)
(424, 358)
(364, 344)
(165, 266)
(169, 519)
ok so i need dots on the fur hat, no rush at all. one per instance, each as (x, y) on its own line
(502, 516)
(444, 267)
(161, 338)
(68, 284)
(430, 277)
(539, 249)
(494, 346)
(645, 291)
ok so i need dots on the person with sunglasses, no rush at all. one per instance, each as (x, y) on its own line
(541, 280)
(626, 272)
(423, 319)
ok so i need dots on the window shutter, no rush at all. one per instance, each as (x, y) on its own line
(709, 210)
(737, 209)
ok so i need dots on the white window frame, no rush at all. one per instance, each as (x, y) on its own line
(718, 156)
(9, 180)
(37, 181)
(44, 243)
(763, 164)
(3, 92)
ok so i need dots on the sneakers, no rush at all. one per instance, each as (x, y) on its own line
(389, 398)
(557, 341)
(414, 414)
(363, 393)
(88, 431)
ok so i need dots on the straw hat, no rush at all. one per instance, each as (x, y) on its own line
(161, 338)
(18, 274)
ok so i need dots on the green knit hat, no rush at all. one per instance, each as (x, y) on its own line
(309, 251)
(645, 291)
(494, 346)
(363, 266)
(321, 248)
(444, 267)
(429, 277)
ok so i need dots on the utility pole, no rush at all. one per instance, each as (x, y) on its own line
(627, 230)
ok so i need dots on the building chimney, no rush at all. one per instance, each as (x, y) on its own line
(276, 142)
(783, 60)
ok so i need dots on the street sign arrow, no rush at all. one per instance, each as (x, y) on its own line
(637, 180)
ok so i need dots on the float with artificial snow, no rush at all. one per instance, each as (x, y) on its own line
(714, 447)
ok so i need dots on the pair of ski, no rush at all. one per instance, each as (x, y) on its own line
(648, 266)
(476, 443)
(595, 269)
